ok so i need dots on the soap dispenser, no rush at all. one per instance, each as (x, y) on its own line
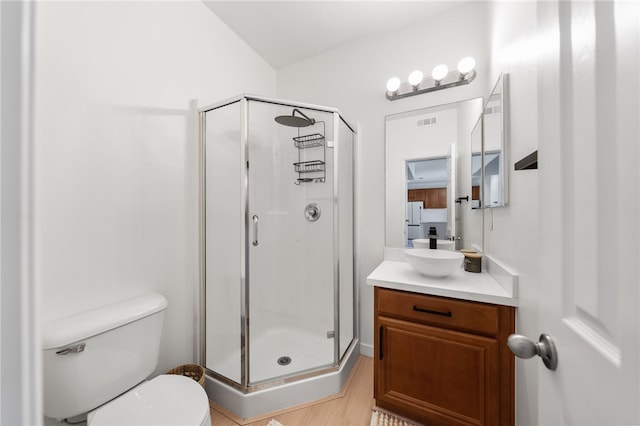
(433, 238)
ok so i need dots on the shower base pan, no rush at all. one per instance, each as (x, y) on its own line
(253, 404)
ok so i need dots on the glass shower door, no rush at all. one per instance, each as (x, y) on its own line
(224, 184)
(346, 293)
(290, 244)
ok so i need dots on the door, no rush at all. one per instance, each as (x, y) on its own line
(451, 192)
(290, 245)
(589, 209)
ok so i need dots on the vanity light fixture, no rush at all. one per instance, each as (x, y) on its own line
(465, 66)
(393, 85)
(440, 78)
(439, 73)
(415, 78)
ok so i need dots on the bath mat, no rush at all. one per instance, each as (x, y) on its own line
(274, 422)
(381, 418)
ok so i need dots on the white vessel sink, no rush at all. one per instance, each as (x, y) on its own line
(441, 244)
(434, 263)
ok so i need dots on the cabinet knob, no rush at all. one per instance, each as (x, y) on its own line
(523, 347)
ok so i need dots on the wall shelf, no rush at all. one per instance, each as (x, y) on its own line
(530, 162)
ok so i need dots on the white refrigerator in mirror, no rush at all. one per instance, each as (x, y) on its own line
(414, 214)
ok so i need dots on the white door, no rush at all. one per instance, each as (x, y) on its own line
(451, 193)
(588, 96)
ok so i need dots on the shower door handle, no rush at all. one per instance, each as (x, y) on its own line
(255, 230)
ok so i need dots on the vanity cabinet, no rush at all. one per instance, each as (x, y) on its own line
(443, 361)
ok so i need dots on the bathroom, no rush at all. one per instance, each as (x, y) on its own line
(109, 170)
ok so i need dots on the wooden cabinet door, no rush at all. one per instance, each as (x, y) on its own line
(428, 198)
(440, 198)
(475, 192)
(433, 198)
(435, 375)
(419, 196)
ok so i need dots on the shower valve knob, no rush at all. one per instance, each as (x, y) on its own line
(312, 212)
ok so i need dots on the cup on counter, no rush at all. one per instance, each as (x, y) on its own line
(472, 260)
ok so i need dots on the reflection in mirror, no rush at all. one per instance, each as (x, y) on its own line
(476, 164)
(495, 146)
(423, 143)
(427, 184)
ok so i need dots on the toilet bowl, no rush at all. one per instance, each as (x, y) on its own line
(97, 363)
(165, 400)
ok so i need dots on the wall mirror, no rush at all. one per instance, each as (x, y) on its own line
(428, 163)
(495, 126)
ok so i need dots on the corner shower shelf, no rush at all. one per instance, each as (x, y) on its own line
(307, 180)
(309, 141)
(318, 166)
(309, 166)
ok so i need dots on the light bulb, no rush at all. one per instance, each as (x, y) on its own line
(393, 84)
(466, 64)
(439, 72)
(415, 78)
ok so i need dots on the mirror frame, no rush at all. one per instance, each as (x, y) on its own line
(501, 88)
(477, 126)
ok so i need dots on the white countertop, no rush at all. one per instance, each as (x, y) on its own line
(479, 287)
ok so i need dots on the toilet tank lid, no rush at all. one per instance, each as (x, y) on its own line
(89, 323)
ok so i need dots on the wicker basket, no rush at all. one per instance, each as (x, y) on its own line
(193, 371)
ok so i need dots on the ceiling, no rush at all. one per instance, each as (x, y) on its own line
(287, 32)
(431, 173)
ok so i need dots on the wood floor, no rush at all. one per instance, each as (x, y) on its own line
(351, 408)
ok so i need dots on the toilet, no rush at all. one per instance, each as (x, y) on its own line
(96, 363)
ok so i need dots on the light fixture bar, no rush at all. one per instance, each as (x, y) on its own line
(429, 84)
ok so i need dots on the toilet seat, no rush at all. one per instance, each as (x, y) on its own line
(168, 399)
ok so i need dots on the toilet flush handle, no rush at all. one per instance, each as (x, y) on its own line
(73, 349)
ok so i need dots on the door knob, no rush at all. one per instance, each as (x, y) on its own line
(523, 347)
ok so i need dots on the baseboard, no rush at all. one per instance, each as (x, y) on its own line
(366, 350)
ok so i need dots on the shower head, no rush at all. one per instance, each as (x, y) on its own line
(293, 121)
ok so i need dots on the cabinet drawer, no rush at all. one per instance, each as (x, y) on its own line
(454, 314)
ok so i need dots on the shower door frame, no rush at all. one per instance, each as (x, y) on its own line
(245, 286)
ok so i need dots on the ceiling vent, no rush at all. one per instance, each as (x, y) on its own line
(427, 121)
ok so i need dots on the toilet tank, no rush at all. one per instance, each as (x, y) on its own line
(91, 357)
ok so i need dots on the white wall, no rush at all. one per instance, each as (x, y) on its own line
(116, 185)
(353, 78)
(510, 233)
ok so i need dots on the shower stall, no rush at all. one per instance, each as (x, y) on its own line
(278, 296)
